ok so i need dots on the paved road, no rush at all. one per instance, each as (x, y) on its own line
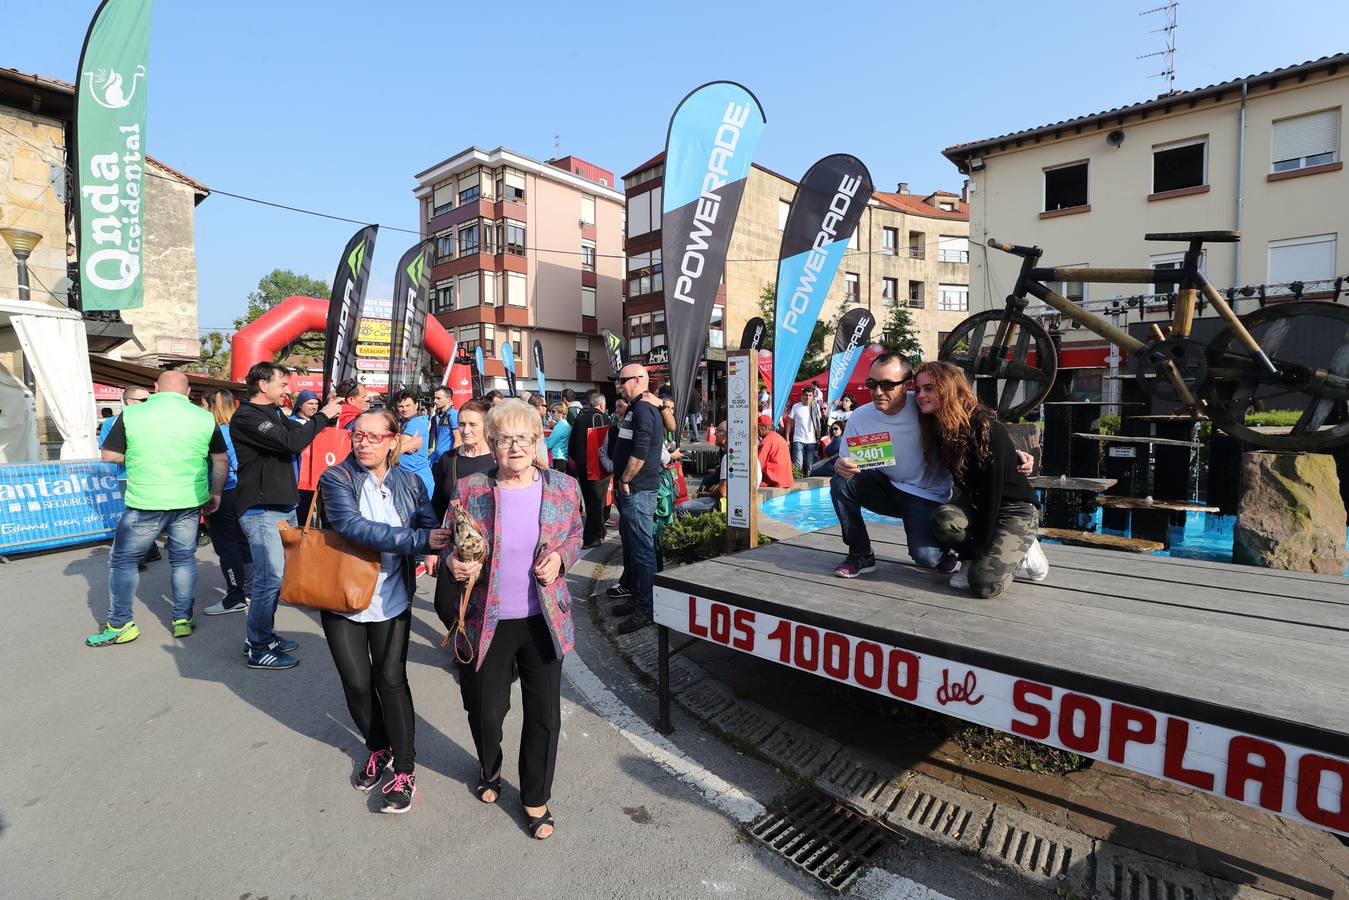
(166, 768)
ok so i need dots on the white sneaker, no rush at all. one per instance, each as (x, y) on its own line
(1034, 566)
(960, 580)
(219, 609)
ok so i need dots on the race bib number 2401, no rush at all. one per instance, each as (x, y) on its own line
(872, 451)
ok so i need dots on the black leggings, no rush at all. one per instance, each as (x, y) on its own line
(528, 644)
(371, 659)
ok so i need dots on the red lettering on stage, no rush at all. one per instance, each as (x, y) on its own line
(694, 628)
(1310, 771)
(1173, 759)
(961, 691)
(1090, 738)
(807, 646)
(744, 624)
(867, 676)
(721, 623)
(1129, 724)
(905, 688)
(783, 635)
(1269, 772)
(836, 655)
(1038, 727)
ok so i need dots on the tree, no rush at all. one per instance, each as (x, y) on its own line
(273, 288)
(816, 358)
(898, 333)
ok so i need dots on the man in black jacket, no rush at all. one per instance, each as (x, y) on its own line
(593, 484)
(266, 442)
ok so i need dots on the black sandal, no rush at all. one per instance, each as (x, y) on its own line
(537, 822)
(484, 785)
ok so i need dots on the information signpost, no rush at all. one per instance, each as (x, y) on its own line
(742, 446)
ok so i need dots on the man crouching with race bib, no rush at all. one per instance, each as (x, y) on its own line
(881, 467)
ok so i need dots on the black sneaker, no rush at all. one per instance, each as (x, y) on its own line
(618, 592)
(948, 563)
(852, 566)
(398, 793)
(635, 622)
(624, 609)
(369, 773)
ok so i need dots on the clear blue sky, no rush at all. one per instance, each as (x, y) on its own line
(335, 105)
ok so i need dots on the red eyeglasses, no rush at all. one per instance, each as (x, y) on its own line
(374, 437)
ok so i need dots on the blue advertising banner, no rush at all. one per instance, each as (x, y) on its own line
(44, 505)
(508, 363)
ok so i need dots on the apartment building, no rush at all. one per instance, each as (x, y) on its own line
(526, 250)
(908, 248)
(1261, 154)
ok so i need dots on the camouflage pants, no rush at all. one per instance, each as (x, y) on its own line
(992, 570)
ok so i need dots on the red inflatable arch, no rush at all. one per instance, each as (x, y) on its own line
(259, 340)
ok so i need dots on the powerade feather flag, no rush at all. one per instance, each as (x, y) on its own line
(110, 153)
(752, 337)
(711, 142)
(538, 368)
(449, 363)
(411, 303)
(508, 363)
(613, 345)
(824, 214)
(853, 334)
(344, 307)
(479, 373)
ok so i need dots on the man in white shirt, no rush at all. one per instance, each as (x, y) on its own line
(884, 470)
(805, 429)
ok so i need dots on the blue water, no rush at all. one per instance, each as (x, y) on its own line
(1203, 536)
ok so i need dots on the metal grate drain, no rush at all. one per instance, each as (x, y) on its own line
(940, 813)
(1126, 875)
(822, 838)
(1041, 852)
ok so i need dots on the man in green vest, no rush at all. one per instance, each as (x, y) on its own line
(164, 443)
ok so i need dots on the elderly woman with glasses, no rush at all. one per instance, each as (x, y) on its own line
(518, 614)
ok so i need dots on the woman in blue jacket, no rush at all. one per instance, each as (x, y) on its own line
(375, 504)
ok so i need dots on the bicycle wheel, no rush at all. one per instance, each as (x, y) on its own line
(1308, 340)
(1013, 379)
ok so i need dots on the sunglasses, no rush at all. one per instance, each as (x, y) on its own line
(885, 384)
(624, 379)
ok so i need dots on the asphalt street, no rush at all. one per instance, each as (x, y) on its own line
(166, 768)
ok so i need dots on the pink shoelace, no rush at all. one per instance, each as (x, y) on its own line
(401, 781)
(378, 760)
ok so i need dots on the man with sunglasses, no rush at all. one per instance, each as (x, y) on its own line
(637, 468)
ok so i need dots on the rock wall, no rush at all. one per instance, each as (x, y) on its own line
(1291, 515)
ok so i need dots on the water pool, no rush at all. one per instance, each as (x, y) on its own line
(1203, 536)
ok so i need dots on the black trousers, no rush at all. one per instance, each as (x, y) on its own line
(593, 493)
(231, 546)
(372, 661)
(529, 645)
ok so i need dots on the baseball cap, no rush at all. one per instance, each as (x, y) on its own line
(765, 420)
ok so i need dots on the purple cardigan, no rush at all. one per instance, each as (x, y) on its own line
(559, 528)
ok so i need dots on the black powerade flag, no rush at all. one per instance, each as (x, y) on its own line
(853, 334)
(411, 303)
(752, 337)
(613, 345)
(708, 150)
(824, 214)
(344, 308)
(538, 369)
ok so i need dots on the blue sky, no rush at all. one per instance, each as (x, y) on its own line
(335, 105)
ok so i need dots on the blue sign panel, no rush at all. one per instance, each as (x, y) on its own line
(44, 505)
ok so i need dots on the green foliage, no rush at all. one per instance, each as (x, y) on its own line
(1012, 752)
(215, 355)
(1107, 424)
(695, 538)
(898, 332)
(272, 288)
(1286, 417)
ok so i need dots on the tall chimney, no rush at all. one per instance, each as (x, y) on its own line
(965, 191)
(903, 188)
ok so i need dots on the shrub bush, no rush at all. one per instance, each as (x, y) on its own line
(696, 538)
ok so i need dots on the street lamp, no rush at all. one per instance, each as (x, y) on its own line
(21, 242)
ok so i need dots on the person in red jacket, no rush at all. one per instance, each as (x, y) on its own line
(775, 457)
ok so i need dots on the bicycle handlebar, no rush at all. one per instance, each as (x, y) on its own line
(1014, 249)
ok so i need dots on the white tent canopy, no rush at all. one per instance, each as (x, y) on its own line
(54, 343)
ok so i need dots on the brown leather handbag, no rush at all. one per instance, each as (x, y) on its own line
(323, 569)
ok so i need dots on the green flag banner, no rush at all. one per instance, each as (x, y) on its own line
(110, 153)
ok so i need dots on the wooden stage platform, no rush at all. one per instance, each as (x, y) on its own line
(1230, 679)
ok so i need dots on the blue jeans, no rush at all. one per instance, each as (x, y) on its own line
(136, 531)
(264, 542)
(636, 524)
(696, 507)
(873, 491)
(803, 456)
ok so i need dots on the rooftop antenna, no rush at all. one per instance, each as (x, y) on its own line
(557, 146)
(1168, 55)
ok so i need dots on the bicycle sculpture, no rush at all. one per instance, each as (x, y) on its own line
(1256, 358)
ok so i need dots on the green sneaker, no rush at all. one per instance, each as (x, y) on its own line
(183, 627)
(109, 635)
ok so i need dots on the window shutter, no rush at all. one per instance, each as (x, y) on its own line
(444, 196)
(956, 244)
(588, 209)
(515, 180)
(1304, 259)
(1306, 135)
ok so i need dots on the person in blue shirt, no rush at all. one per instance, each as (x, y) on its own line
(227, 538)
(559, 437)
(444, 425)
(416, 431)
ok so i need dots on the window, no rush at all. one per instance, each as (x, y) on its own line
(644, 176)
(514, 186)
(469, 194)
(1180, 165)
(644, 273)
(587, 256)
(639, 214)
(444, 246)
(953, 249)
(852, 240)
(469, 337)
(588, 302)
(953, 297)
(443, 300)
(889, 289)
(784, 209)
(716, 336)
(916, 294)
(852, 286)
(516, 337)
(1172, 261)
(490, 283)
(442, 198)
(1066, 187)
(468, 239)
(582, 349)
(515, 239)
(517, 289)
(947, 205)
(916, 245)
(468, 290)
(1302, 141)
(1076, 291)
(489, 343)
(587, 209)
(889, 240)
(1302, 259)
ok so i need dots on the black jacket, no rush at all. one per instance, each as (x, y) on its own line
(266, 442)
(578, 444)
